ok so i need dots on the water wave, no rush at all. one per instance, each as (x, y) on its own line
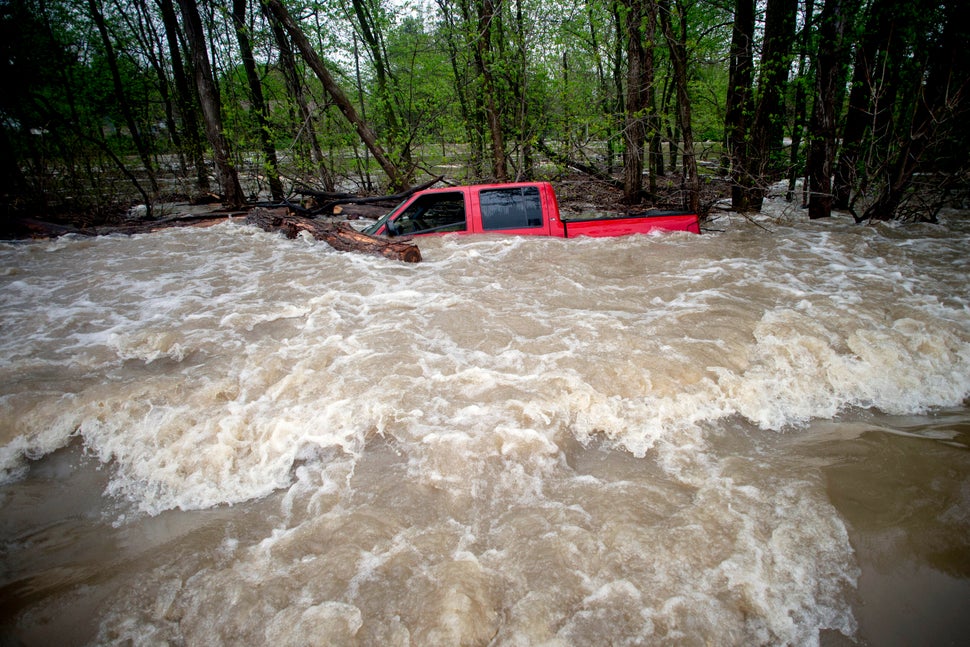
(204, 365)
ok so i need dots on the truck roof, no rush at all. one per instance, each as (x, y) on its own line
(496, 185)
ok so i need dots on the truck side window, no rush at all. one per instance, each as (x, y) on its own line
(435, 212)
(518, 208)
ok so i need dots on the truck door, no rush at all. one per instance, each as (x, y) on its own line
(428, 214)
(515, 210)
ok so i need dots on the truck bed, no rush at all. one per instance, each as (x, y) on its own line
(625, 225)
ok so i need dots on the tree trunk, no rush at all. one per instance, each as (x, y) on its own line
(677, 43)
(871, 55)
(801, 100)
(673, 132)
(606, 105)
(942, 108)
(184, 97)
(143, 24)
(655, 122)
(259, 108)
(485, 56)
(294, 86)
(472, 129)
(211, 110)
(634, 133)
(13, 184)
(655, 160)
(616, 66)
(766, 131)
(338, 235)
(140, 145)
(389, 102)
(737, 121)
(524, 131)
(824, 122)
(394, 175)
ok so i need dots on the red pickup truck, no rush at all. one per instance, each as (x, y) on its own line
(524, 208)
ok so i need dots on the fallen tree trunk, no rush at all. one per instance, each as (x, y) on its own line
(338, 235)
(364, 131)
(21, 228)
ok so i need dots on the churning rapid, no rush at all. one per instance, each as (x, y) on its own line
(220, 436)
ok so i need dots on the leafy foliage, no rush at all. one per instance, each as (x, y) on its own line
(473, 88)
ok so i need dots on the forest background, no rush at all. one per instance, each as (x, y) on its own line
(110, 102)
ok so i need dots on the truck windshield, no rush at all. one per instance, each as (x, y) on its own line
(376, 227)
(517, 208)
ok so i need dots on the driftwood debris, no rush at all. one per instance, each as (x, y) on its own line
(327, 201)
(589, 170)
(24, 228)
(338, 235)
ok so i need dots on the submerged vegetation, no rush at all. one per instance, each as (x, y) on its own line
(109, 103)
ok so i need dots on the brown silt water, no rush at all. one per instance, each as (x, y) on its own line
(221, 437)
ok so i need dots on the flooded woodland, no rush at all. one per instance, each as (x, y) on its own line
(759, 435)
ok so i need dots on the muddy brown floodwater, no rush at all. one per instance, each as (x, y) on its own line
(220, 436)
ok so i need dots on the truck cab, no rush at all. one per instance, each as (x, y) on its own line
(519, 208)
(522, 208)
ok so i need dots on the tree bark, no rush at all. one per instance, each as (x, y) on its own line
(259, 108)
(394, 175)
(800, 104)
(942, 108)
(872, 54)
(294, 86)
(677, 43)
(766, 131)
(13, 184)
(140, 145)
(633, 131)
(485, 58)
(737, 121)
(388, 104)
(340, 236)
(606, 106)
(143, 23)
(824, 121)
(211, 110)
(184, 97)
(525, 129)
(470, 124)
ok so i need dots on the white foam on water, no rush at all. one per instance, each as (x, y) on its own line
(217, 366)
(272, 345)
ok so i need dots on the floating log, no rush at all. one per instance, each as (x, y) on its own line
(338, 235)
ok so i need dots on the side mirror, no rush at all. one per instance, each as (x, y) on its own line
(390, 228)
